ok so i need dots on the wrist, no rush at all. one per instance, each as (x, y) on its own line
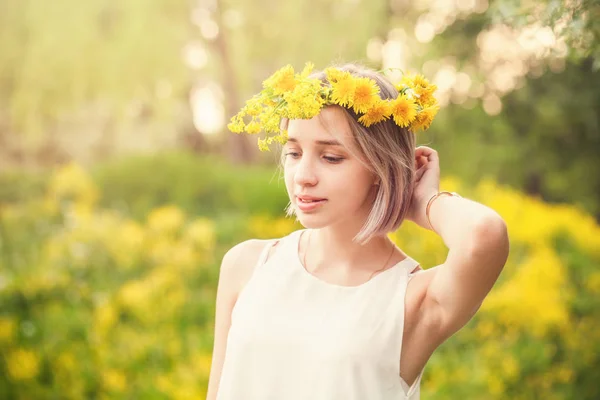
(419, 215)
(432, 200)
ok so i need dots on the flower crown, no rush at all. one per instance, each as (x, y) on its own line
(292, 95)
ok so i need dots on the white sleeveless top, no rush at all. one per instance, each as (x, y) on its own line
(295, 336)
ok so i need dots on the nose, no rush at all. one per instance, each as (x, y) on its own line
(305, 174)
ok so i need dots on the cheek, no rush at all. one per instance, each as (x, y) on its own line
(354, 186)
(288, 178)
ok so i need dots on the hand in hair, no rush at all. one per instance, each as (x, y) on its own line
(427, 183)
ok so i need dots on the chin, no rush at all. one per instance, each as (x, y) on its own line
(312, 221)
(309, 222)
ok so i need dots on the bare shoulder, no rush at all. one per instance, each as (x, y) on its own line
(239, 262)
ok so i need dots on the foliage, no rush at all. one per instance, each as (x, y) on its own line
(577, 22)
(545, 141)
(206, 186)
(98, 304)
(74, 57)
(98, 78)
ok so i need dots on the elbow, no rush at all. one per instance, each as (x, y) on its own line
(491, 239)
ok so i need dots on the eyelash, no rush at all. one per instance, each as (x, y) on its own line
(332, 160)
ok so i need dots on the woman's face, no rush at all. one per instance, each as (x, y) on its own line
(318, 164)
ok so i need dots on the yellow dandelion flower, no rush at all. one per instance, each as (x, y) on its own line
(405, 82)
(425, 95)
(425, 118)
(413, 80)
(420, 80)
(308, 68)
(420, 87)
(334, 74)
(342, 90)
(404, 110)
(366, 93)
(380, 111)
(281, 81)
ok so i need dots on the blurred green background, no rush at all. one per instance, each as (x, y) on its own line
(121, 189)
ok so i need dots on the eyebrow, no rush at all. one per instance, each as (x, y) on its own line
(321, 142)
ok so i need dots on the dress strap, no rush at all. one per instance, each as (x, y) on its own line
(414, 270)
(265, 252)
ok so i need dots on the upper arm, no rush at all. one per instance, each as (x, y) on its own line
(236, 267)
(460, 285)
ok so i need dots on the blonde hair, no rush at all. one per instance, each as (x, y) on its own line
(388, 151)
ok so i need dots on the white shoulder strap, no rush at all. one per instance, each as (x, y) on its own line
(265, 252)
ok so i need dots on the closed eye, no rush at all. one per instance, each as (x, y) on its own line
(333, 160)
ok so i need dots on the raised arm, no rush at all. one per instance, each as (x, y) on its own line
(478, 245)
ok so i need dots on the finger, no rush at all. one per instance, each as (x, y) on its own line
(430, 156)
(424, 151)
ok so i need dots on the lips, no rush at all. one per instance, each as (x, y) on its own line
(308, 204)
(309, 199)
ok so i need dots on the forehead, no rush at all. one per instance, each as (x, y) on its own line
(330, 127)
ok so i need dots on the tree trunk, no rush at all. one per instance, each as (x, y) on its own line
(239, 150)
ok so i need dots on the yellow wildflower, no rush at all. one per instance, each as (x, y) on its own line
(404, 111)
(253, 106)
(380, 111)
(201, 232)
(299, 96)
(304, 102)
(281, 81)
(8, 326)
(308, 68)
(421, 87)
(263, 144)
(425, 95)
(425, 118)
(334, 74)
(413, 81)
(72, 182)
(270, 123)
(22, 364)
(342, 89)
(282, 137)
(114, 379)
(166, 219)
(366, 93)
(253, 127)
(236, 125)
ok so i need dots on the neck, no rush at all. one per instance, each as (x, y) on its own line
(330, 248)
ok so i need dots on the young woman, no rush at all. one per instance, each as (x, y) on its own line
(336, 311)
